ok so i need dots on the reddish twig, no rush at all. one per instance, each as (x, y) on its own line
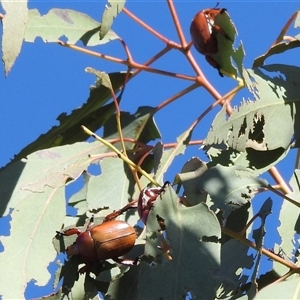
(176, 96)
(132, 64)
(279, 180)
(264, 251)
(177, 24)
(285, 28)
(151, 30)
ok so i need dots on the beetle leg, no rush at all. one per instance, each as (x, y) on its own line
(158, 192)
(71, 231)
(164, 187)
(115, 214)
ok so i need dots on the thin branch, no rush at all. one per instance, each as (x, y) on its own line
(280, 194)
(266, 252)
(153, 59)
(285, 276)
(285, 28)
(128, 54)
(206, 112)
(151, 30)
(120, 154)
(279, 180)
(132, 64)
(177, 24)
(194, 64)
(118, 119)
(202, 81)
(161, 72)
(176, 96)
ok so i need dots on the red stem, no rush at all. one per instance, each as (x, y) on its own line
(150, 29)
(177, 24)
(131, 64)
(279, 180)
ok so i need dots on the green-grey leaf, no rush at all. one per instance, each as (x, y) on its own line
(289, 221)
(281, 47)
(73, 25)
(234, 259)
(112, 188)
(229, 187)
(14, 26)
(225, 45)
(259, 233)
(190, 176)
(289, 289)
(110, 13)
(276, 49)
(30, 242)
(169, 155)
(258, 161)
(102, 77)
(42, 169)
(139, 126)
(39, 195)
(252, 124)
(193, 234)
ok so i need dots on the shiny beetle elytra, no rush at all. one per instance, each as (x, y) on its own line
(108, 240)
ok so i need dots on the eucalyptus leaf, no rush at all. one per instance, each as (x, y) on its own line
(289, 222)
(73, 25)
(193, 234)
(139, 126)
(283, 290)
(169, 155)
(234, 257)
(229, 187)
(110, 13)
(251, 125)
(30, 238)
(14, 27)
(112, 188)
(226, 52)
(190, 177)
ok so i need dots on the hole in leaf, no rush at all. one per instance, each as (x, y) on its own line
(243, 128)
(257, 133)
(71, 189)
(33, 290)
(213, 239)
(94, 169)
(245, 196)
(5, 227)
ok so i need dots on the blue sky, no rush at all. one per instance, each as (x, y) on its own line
(47, 79)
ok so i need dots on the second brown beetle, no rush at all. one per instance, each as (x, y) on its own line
(203, 32)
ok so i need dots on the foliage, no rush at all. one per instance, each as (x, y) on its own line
(197, 237)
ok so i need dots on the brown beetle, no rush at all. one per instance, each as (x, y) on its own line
(204, 31)
(108, 240)
(112, 238)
